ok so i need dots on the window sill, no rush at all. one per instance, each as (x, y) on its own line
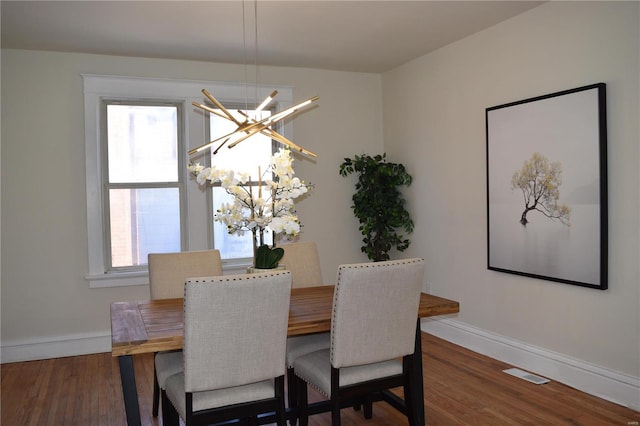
(119, 279)
(236, 266)
(127, 279)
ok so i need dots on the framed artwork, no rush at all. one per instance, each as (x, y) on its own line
(547, 187)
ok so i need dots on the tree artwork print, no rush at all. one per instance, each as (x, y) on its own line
(539, 182)
(547, 187)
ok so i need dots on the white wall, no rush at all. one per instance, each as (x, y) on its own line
(434, 122)
(47, 306)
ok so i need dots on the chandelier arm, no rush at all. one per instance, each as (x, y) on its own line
(248, 128)
(209, 109)
(248, 135)
(221, 145)
(265, 130)
(266, 102)
(282, 139)
(207, 145)
(248, 123)
(242, 127)
(292, 110)
(220, 106)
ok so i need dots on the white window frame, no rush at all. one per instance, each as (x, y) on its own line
(198, 226)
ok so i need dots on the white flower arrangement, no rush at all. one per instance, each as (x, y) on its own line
(251, 211)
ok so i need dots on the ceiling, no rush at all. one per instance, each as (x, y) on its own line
(364, 36)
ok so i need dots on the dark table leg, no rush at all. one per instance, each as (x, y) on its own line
(418, 390)
(129, 392)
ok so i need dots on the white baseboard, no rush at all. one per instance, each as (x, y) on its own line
(34, 349)
(589, 378)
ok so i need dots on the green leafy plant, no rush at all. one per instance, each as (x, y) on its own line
(267, 257)
(378, 204)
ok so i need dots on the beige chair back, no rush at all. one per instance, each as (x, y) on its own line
(169, 271)
(375, 310)
(235, 331)
(304, 263)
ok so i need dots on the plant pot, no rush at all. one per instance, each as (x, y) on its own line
(252, 270)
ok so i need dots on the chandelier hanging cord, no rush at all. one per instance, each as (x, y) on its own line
(244, 48)
(246, 56)
(255, 57)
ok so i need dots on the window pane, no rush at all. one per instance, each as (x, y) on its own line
(143, 221)
(247, 156)
(231, 246)
(142, 143)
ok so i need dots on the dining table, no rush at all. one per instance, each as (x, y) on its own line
(150, 326)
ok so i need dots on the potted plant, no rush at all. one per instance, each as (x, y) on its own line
(378, 204)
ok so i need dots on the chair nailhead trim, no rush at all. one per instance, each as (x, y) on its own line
(313, 385)
(239, 277)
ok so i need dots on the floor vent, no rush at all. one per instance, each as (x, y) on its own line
(526, 376)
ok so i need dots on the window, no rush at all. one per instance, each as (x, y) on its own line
(139, 197)
(144, 189)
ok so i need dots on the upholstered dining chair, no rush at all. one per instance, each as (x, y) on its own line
(373, 325)
(235, 330)
(302, 259)
(167, 274)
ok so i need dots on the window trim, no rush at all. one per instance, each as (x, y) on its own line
(99, 87)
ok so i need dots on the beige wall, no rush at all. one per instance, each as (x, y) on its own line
(434, 118)
(44, 233)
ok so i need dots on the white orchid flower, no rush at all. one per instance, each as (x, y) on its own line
(253, 209)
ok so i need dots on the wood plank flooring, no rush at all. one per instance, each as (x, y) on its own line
(461, 388)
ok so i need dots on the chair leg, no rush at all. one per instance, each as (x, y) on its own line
(156, 392)
(367, 402)
(292, 396)
(335, 410)
(335, 396)
(410, 405)
(409, 395)
(357, 405)
(169, 413)
(303, 407)
(368, 406)
(280, 410)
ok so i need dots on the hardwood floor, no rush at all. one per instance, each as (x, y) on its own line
(461, 388)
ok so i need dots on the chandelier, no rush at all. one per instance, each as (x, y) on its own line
(251, 125)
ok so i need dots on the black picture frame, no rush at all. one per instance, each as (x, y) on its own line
(547, 187)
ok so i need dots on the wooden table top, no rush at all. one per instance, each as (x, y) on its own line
(156, 325)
